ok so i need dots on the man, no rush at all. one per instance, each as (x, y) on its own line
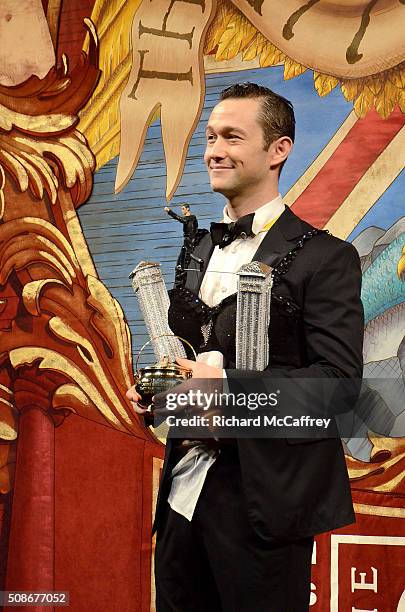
(189, 221)
(235, 522)
(190, 227)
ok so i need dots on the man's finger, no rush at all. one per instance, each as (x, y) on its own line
(133, 395)
(138, 409)
(185, 363)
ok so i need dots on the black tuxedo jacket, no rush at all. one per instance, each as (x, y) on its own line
(298, 487)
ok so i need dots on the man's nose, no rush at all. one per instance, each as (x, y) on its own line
(217, 149)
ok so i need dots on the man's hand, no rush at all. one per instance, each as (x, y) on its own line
(205, 379)
(134, 398)
(166, 209)
(199, 369)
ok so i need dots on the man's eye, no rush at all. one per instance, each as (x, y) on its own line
(210, 137)
(233, 137)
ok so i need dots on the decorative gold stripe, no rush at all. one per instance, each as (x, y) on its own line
(2, 183)
(6, 389)
(310, 173)
(379, 510)
(370, 188)
(52, 17)
(3, 401)
(212, 65)
(156, 467)
(391, 485)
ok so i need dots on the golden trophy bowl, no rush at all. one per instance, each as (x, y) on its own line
(158, 378)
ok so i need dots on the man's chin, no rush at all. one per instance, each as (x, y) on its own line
(219, 187)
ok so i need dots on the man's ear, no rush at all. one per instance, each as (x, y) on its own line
(280, 149)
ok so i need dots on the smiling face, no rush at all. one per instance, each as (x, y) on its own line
(237, 162)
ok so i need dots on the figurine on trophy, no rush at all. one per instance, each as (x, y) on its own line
(190, 233)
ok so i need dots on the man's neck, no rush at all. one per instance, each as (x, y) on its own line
(239, 206)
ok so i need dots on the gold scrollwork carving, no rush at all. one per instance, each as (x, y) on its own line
(67, 347)
(77, 328)
(384, 473)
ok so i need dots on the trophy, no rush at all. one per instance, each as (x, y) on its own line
(150, 289)
(253, 316)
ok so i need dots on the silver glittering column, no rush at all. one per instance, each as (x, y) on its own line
(150, 289)
(253, 316)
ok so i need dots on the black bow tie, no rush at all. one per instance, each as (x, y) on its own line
(223, 234)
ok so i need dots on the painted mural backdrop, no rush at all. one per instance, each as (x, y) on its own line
(90, 153)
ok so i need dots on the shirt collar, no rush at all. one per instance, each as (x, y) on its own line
(263, 215)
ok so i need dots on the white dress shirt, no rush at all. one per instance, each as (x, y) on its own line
(220, 280)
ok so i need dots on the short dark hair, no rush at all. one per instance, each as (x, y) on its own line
(186, 206)
(277, 113)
